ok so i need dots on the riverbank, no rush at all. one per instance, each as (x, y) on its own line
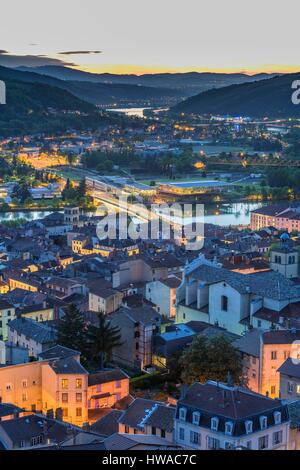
(226, 214)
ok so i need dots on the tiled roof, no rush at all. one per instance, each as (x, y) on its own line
(229, 403)
(281, 336)
(5, 305)
(67, 366)
(162, 418)
(273, 209)
(37, 331)
(143, 314)
(137, 411)
(58, 352)
(33, 426)
(266, 284)
(290, 367)
(128, 441)
(7, 409)
(250, 343)
(108, 424)
(106, 376)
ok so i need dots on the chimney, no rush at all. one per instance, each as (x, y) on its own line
(59, 414)
(50, 414)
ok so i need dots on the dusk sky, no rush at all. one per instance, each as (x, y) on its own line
(140, 36)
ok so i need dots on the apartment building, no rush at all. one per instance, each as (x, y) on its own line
(264, 353)
(48, 384)
(106, 388)
(163, 294)
(104, 299)
(216, 416)
(281, 216)
(232, 300)
(137, 326)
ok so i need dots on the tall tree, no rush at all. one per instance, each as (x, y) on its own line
(211, 359)
(102, 340)
(81, 190)
(71, 330)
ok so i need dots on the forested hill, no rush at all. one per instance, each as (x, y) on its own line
(271, 98)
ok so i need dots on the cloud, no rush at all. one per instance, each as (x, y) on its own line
(9, 60)
(79, 52)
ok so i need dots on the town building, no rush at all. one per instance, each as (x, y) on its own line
(7, 313)
(106, 388)
(289, 386)
(104, 299)
(230, 299)
(163, 294)
(32, 335)
(216, 416)
(281, 216)
(137, 327)
(148, 417)
(263, 353)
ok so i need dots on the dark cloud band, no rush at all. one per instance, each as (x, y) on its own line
(79, 52)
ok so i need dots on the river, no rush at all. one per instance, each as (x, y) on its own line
(220, 214)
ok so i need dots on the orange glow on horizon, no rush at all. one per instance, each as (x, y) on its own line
(125, 69)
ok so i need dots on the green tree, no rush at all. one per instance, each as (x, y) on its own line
(210, 359)
(81, 190)
(71, 330)
(102, 340)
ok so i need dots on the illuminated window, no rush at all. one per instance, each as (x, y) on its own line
(273, 355)
(64, 383)
(118, 384)
(64, 397)
(79, 397)
(78, 383)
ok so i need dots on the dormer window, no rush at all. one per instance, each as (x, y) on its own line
(277, 417)
(228, 428)
(249, 426)
(196, 418)
(214, 424)
(263, 422)
(182, 414)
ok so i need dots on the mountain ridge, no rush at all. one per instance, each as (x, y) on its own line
(271, 97)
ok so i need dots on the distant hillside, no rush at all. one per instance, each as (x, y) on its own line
(188, 84)
(270, 97)
(41, 108)
(102, 94)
